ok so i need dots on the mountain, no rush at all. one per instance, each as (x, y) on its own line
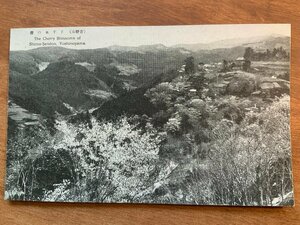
(156, 57)
(52, 54)
(148, 60)
(271, 43)
(27, 62)
(61, 87)
(133, 102)
(140, 49)
(72, 84)
(259, 41)
(218, 55)
(49, 80)
(31, 95)
(22, 62)
(57, 79)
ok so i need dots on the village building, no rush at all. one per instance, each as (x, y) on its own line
(192, 92)
(239, 62)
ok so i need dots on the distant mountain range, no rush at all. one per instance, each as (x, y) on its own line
(141, 48)
(56, 79)
(155, 56)
(259, 42)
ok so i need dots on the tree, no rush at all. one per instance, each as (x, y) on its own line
(112, 159)
(189, 65)
(250, 163)
(248, 53)
(275, 54)
(225, 66)
(246, 65)
(162, 95)
(22, 154)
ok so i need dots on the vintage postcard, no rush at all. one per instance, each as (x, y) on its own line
(194, 115)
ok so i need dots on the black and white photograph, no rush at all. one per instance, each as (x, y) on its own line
(189, 114)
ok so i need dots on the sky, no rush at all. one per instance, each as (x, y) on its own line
(99, 37)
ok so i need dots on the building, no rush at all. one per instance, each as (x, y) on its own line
(239, 62)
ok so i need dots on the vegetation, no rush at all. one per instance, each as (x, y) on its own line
(230, 163)
(273, 55)
(192, 136)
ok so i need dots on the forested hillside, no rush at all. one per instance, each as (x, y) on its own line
(150, 124)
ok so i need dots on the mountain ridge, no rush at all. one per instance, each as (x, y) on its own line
(229, 43)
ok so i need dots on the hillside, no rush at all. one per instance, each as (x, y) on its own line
(31, 95)
(71, 84)
(151, 123)
(68, 79)
(217, 55)
(133, 102)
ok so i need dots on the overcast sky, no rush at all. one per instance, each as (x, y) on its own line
(98, 37)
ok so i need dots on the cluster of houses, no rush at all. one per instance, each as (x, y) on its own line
(239, 63)
(266, 87)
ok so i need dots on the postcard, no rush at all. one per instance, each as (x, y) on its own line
(193, 114)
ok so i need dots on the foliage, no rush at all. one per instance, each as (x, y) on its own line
(190, 65)
(117, 152)
(178, 139)
(173, 125)
(251, 160)
(275, 54)
(241, 87)
(162, 95)
(22, 153)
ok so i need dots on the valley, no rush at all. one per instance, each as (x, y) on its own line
(156, 121)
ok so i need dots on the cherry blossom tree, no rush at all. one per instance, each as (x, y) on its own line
(116, 153)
